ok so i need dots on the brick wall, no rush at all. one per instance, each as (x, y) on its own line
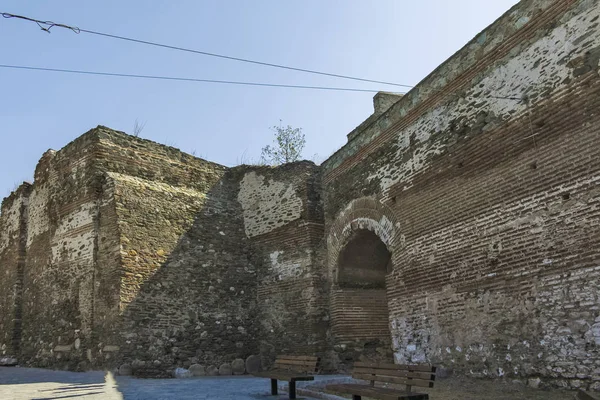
(359, 326)
(487, 176)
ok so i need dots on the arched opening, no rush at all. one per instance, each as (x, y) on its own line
(360, 317)
(364, 261)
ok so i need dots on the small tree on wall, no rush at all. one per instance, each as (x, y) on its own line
(288, 145)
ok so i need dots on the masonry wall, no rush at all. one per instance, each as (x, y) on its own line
(283, 221)
(59, 273)
(130, 252)
(12, 242)
(187, 290)
(483, 183)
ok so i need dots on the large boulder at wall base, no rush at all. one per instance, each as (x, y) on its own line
(225, 369)
(125, 370)
(211, 370)
(238, 366)
(253, 364)
(8, 362)
(197, 370)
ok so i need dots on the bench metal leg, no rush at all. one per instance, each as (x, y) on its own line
(356, 397)
(274, 387)
(292, 389)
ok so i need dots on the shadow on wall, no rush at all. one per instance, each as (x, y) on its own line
(194, 303)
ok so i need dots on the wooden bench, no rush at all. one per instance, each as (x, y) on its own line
(291, 369)
(408, 375)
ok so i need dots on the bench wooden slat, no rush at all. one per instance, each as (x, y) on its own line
(295, 367)
(422, 368)
(394, 379)
(377, 392)
(302, 364)
(284, 376)
(395, 372)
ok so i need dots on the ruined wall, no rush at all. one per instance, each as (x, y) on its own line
(13, 236)
(136, 253)
(187, 291)
(282, 213)
(59, 273)
(483, 183)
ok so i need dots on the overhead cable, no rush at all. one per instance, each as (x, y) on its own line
(176, 78)
(47, 25)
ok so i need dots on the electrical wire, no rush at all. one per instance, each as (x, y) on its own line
(174, 78)
(47, 25)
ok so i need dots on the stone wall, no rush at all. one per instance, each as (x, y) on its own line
(283, 220)
(13, 235)
(483, 183)
(187, 289)
(458, 226)
(59, 269)
(136, 253)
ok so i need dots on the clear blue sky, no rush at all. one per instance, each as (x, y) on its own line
(391, 40)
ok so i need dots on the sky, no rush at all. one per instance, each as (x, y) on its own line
(388, 40)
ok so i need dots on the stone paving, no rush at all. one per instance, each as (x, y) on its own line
(41, 384)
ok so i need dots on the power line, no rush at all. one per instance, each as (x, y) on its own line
(175, 78)
(47, 25)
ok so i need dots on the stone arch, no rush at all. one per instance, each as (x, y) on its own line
(365, 213)
(364, 234)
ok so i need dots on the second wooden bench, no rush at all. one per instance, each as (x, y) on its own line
(408, 375)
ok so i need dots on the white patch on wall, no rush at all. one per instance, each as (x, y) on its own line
(267, 205)
(38, 221)
(283, 269)
(540, 67)
(74, 235)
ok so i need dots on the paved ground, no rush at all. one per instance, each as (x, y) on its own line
(461, 388)
(41, 384)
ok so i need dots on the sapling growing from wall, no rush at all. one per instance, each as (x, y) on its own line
(138, 127)
(288, 145)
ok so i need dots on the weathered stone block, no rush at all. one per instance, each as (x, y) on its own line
(534, 382)
(238, 366)
(125, 370)
(225, 369)
(211, 370)
(253, 364)
(197, 370)
(8, 362)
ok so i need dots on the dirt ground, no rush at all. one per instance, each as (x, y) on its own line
(456, 388)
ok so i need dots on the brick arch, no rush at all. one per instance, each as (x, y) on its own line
(363, 213)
